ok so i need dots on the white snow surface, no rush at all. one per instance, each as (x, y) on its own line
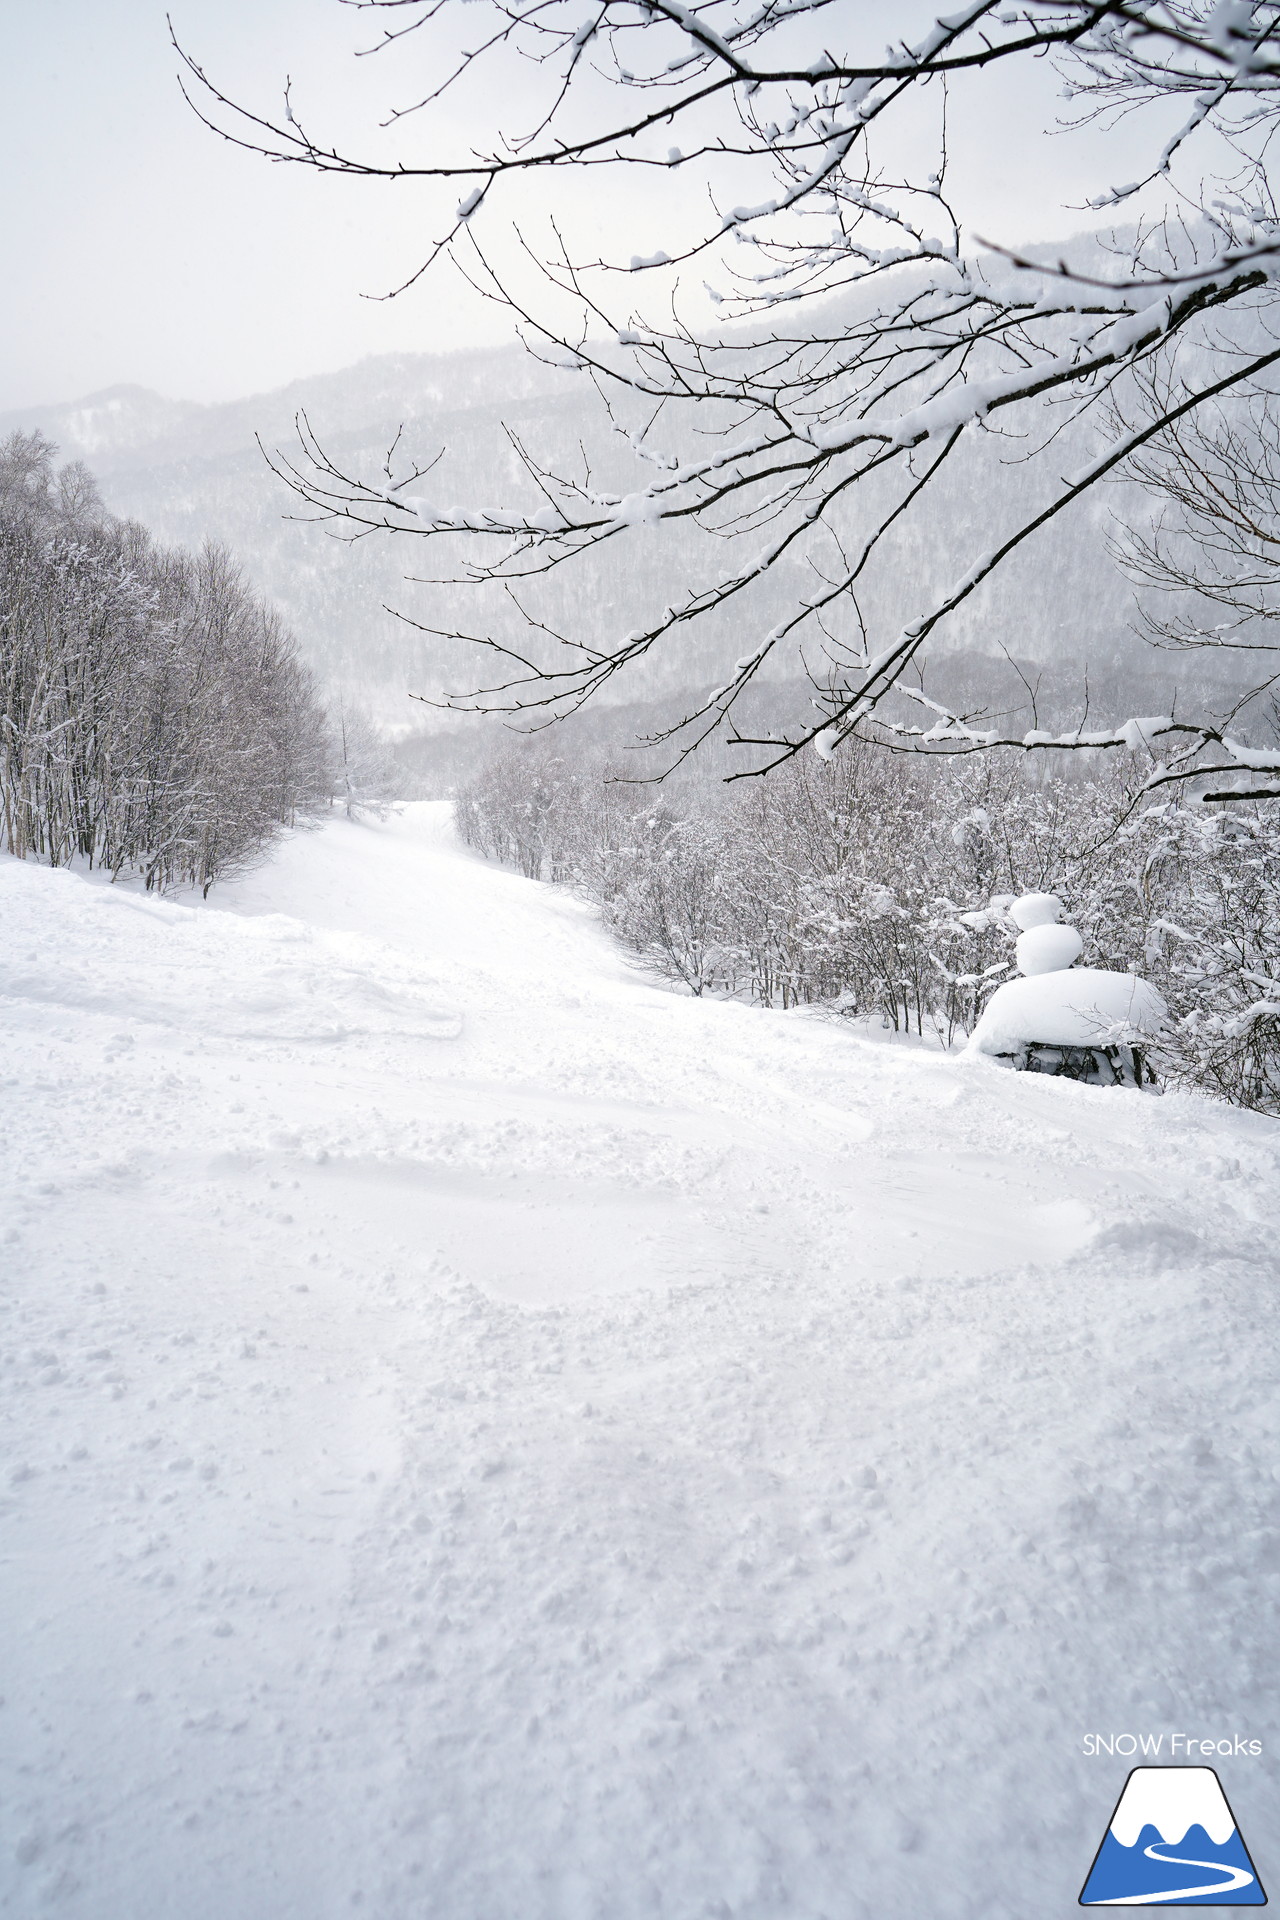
(1081, 1007)
(485, 1435)
(1172, 1799)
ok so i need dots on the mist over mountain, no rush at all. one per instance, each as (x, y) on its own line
(1059, 606)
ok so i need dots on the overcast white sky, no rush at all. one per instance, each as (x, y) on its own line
(139, 248)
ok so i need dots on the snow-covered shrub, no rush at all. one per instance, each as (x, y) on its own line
(1210, 885)
(522, 810)
(366, 778)
(865, 883)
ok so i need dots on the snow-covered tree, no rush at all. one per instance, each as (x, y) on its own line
(154, 715)
(366, 777)
(1204, 541)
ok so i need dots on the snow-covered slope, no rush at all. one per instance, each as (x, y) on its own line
(488, 1436)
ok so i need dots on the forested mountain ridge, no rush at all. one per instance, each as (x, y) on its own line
(193, 472)
(196, 473)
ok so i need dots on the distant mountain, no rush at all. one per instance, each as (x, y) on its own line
(108, 426)
(192, 472)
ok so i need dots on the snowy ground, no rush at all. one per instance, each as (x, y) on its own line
(486, 1436)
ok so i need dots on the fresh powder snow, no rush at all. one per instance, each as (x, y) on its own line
(487, 1435)
(1035, 910)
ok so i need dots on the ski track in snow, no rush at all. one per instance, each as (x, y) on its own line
(486, 1436)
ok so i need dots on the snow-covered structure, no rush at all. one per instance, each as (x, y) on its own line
(1085, 1022)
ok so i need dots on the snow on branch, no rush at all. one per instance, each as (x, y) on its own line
(859, 336)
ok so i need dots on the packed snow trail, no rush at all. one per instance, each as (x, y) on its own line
(488, 1436)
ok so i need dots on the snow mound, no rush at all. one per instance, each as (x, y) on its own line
(1085, 1007)
(1048, 948)
(1151, 1245)
(1036, 910)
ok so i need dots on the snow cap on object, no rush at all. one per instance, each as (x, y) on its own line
(1036, 910)
(1048, 948)
(1082, 1007)
(1173, 1800)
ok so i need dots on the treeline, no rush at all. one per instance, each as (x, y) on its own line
(878, 886)
(154, 714)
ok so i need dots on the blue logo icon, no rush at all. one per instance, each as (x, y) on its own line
(1172, 1842)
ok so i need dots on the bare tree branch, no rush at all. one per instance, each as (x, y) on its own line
(857, 344)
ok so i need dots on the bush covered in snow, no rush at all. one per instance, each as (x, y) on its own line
(366, 776)
(882, 886)
(154, 715)
(1210, 886)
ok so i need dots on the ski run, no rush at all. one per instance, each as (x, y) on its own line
(489, 1437)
